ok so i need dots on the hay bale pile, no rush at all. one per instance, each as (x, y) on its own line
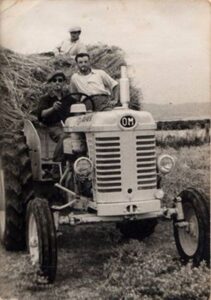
(22, 79)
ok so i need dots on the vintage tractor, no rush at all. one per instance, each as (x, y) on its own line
(110, 174)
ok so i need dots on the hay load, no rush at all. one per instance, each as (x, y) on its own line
(22, 79)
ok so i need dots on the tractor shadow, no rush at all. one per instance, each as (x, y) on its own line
(83, 250)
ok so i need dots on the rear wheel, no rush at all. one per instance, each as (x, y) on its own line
(192, 241)
(41, 239)
(15, 189)
(2, 203)
(138, 229)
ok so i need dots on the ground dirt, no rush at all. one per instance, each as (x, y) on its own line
(82, 254)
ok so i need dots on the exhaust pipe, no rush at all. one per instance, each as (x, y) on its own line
(124, 88)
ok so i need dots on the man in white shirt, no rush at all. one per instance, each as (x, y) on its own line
(103, 89)
(73, 45)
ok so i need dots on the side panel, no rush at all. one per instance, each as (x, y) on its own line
(90, 138)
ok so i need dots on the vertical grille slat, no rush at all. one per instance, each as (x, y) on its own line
(108, 164)
(146, 162)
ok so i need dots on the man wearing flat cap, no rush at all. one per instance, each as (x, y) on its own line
(54, 107)
(73, 45)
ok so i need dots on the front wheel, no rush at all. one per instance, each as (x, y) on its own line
(41, 239)
(192, 241)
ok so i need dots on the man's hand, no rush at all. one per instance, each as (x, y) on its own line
(46, 113)
(57, 105)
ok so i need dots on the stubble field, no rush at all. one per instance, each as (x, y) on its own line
(95, 263)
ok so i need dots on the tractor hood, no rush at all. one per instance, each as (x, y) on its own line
(116, 120)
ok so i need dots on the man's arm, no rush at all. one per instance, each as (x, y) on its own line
(112, 85)
(62, 47)
(46, 111)
(49, 111)
(58, 48)
(108, 81)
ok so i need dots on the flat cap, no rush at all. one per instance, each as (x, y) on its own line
(54, 74)
(75, 29)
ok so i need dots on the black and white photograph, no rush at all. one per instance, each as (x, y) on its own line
(105, 110)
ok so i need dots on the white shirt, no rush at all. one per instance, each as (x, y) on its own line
(72, 48)
(96, 82)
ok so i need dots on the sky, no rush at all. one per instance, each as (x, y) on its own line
(166, 42)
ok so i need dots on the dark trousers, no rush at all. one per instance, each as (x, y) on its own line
(57, 134)
(99, 103)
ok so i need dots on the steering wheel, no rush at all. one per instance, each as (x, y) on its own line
(88, 101)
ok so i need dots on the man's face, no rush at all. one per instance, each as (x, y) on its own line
(57, 83)
(83, 64)
(74, 35)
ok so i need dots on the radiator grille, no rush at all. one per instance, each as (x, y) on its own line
(146, 162)
(108, 164)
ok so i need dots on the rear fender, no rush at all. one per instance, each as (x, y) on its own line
(34, 144)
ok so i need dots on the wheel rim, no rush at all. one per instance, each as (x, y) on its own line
(2, 204)
(33, 241)
(189, 235)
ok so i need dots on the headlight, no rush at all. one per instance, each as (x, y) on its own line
(83, 166)
(165, 163)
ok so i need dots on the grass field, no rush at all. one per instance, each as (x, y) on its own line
(95, 263)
